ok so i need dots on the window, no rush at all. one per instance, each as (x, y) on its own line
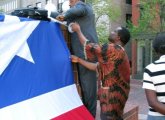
(47, 1)
(129, 2)
(128, 17)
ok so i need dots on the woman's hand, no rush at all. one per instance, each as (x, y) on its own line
(75, 27)
(74, 58)
(89, 65)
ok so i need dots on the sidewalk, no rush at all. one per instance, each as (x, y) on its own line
(136, 98)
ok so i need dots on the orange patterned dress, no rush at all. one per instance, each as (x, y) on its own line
(114, 77)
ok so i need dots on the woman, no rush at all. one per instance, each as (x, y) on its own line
(113, 70)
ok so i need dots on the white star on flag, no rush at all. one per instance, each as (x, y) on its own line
(11, 44)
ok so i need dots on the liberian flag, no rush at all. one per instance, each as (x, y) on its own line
(36, 78)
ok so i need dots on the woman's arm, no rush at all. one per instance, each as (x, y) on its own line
(89, 65)
(76, 28)
(153, 101)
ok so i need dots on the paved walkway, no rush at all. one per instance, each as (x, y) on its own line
(136, 98)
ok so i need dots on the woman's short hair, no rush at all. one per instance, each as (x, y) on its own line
(124, 34)
(159, 43)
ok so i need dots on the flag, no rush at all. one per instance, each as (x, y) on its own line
(36, 78)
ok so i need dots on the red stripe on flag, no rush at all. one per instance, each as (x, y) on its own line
(80, 113)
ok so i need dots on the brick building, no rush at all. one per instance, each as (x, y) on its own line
(142, 53)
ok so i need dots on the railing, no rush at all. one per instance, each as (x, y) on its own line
(8, 6)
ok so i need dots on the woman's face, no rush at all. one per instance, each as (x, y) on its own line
(112, 37)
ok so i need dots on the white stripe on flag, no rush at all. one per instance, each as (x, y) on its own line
(11, 19)
(13, 40)
(44, 107)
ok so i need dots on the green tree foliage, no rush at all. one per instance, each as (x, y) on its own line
(1, 11)
(151, 11)
(105, 7)
(105, 11)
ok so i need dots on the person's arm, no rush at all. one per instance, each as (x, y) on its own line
(78, 10)
(76, 28)
(153, 101)
(89, 65)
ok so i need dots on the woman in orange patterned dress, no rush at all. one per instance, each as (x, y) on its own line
(113, 71)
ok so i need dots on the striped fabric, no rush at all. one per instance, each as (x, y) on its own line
(36, 77)
(154, 79)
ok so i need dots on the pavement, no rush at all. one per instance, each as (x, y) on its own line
(136, 98)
